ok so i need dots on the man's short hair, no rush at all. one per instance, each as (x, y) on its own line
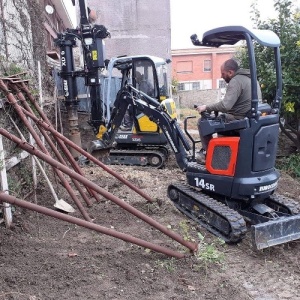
(138, 76)
(231, 64)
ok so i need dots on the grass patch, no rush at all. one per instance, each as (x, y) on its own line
(209, 253)
(168, 264)
(185, 229)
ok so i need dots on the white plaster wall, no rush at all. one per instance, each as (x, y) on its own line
(136, 26)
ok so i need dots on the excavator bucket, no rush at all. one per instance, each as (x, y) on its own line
(98, 149)
(275, 232)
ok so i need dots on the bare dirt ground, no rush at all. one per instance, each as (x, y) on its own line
(45, 258)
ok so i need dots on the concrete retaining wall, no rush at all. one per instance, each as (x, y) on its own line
(189, 98)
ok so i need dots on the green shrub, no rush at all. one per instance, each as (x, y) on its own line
(290, 164)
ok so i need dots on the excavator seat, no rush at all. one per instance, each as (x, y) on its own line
(211, 126)
(218, 125)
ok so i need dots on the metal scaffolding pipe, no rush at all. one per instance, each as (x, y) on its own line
(52, 213)
(51, 144)
(61, 138)
(10, 97)
(66, 151)
(33, 150)
(60, 158)
(87, 155)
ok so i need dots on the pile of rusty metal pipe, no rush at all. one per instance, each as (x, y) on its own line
(17, 93)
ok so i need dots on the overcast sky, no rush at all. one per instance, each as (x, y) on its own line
(196, 16)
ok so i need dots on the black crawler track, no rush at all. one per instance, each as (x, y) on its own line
(283, 204)
(215, 216)
(151, 158)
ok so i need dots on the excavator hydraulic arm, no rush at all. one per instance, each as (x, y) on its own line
(155, 111)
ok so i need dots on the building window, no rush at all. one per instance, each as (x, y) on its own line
(196, 85)
(207, 66)
(189, 86)
(184, 67)
(181, 87)
(221, 84)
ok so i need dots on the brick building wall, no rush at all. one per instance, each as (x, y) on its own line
(188, 65)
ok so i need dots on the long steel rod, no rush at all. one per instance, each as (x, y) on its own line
(66, 151)
(47, 126)
(87, 155)
(11, 98)
(54, 194)
(33, 150)
(51, 144)
(123, 236)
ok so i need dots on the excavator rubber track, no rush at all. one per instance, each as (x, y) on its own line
(283, 204)
(141, 157)
(211, 214)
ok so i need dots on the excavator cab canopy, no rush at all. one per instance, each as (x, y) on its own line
(144, 72)
(231, 35)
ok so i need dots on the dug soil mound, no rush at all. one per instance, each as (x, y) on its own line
(45, 258)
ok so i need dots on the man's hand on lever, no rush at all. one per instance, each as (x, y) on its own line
(200, 108)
